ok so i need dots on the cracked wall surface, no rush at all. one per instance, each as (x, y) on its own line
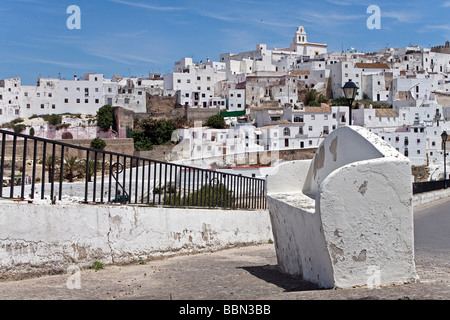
(347, 211)
(46, 239)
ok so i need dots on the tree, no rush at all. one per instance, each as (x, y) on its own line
(71, 164)
(313, 98)
(216, 121)
(105, 117)
(153, 132)
(341, 101)
(141, 141)
(49, 165)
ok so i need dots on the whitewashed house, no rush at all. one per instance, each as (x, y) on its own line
(195, 82)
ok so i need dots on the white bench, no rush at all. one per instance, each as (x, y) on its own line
(345, 218)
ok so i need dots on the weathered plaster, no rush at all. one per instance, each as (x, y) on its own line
(42, 238)
(344, 212)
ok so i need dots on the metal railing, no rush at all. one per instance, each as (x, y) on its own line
(421, 187)
(37, 168)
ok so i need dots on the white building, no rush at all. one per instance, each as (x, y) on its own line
(195, 82)
(131, 93)
(10, 99)
(300, 46)
(298, 128)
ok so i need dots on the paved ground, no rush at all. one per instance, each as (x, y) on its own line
(248, 273)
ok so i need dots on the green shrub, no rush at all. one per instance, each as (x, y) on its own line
(98, 144)
(216, 121)
(53, 119)
(97, 266)
(18, 128)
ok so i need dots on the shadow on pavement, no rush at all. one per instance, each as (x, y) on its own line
(273, 274)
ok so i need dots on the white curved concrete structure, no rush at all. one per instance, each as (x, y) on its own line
(345, 218)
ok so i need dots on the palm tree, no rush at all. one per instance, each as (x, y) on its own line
(71, 164)
(49, 166)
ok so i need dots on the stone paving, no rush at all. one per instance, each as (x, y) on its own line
(244, 273)
(249, 273)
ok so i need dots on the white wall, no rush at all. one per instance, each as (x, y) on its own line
(38, 239)
(350, 211)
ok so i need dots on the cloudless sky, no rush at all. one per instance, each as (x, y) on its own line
(135, 37)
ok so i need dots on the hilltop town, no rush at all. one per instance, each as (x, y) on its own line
(280, 101)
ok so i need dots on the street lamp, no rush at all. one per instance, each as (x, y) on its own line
(444, 137)
(350, 89)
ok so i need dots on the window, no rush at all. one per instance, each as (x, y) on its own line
(199, 78)
(28, 106)
(139, 93)
(66, 100)
(179, 81)
(86, 100)
(42, 106)
(310, 128)
(78, 100)
(127, 100)
(286, 132)
(97, 101)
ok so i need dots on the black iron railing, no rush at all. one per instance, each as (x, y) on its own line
(421, 187)
(36, 168)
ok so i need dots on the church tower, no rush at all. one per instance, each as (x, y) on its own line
(300, 35)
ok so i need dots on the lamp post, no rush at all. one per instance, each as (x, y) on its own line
(350, 89)
(444, 137)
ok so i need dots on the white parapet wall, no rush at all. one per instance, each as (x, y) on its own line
(346, 217)
(44, 239)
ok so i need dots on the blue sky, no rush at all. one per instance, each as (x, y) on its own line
(135, 37)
